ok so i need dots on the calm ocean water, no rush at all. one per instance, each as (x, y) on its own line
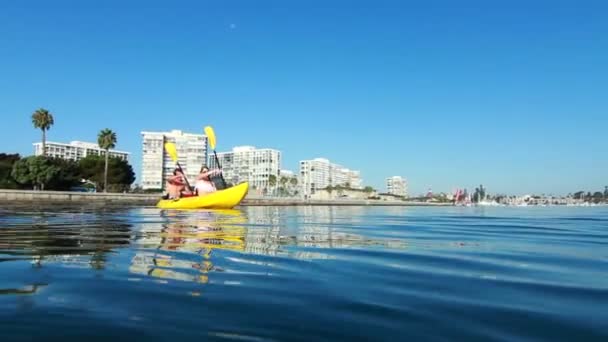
(306, 273)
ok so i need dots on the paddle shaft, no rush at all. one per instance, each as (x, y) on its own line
(185, 178)
(217, 161)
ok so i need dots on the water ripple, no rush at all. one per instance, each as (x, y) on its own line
(301, 273)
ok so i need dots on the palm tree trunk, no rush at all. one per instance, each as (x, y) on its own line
(43, 142)
(105, 174)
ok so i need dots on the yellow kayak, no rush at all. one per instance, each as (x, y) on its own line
(222, 199)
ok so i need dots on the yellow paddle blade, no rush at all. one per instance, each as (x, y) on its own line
(171, 150)
(211, 136)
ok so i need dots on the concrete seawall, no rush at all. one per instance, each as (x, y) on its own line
(68, 196)
(7, 196)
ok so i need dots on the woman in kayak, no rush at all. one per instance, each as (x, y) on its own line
(176, 185)
(204, 185)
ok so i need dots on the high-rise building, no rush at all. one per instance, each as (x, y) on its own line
(157, 165)
(250, 164)
(319, 173)
(314, 175)
(396, 185)
(76, 150)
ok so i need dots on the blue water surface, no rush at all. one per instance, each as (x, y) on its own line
(303, 273)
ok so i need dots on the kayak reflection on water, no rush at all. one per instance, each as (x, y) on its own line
(196, 236)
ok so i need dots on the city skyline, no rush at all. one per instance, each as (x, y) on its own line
(168, 165)
(450, 96)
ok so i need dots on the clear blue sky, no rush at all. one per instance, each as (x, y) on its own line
(511, 94)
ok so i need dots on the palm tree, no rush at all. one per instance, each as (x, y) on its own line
(293, 183)
(283, 180)
(272, 181)
(43, 119)
(106, 140)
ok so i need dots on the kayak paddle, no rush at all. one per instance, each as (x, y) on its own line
(172, 151)
(211, 136)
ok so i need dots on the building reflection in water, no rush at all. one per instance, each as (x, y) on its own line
(273, 230)
(184, 244)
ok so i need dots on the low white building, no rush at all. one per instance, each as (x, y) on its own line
(319, 173)
(157, 165)
(76, 150)
(287, 173)
(396, 185)
(249, 164)
(354, 179)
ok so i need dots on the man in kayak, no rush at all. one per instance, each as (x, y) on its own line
(204, 185)
(176, 185)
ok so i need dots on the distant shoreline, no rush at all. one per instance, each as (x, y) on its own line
(12, 196)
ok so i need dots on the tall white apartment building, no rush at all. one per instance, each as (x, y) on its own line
(157, 165)
(319, 173)
(250, 164)
(76, 150)
(396, 185)
(314, 175)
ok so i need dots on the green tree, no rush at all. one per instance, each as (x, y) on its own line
(284, 180)
(43, 120)
(368, 189)
(272, 181)
(106, 140)
(579, 195)
(6, 167)
(597, 196)
(605, 192)
(120, 174)
(68, 174)
(34, 171)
